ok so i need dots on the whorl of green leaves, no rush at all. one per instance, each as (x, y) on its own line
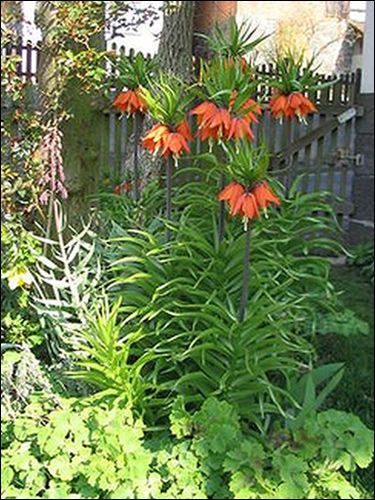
(247, 164)
(234, 40)
(134, 72)
(296, 74)
(168, 99)
(220, 78)
(102, 355)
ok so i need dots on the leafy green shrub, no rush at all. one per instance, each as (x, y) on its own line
(308, 463)
(86, 449)
(19, 250)
(182, 298)
(363, 257)
(75, 450)
(344, 323)
(186, 315)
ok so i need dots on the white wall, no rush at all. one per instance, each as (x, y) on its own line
(367, 86)
(358, 11)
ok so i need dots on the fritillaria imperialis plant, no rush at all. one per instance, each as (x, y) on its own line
(248, 196)
(226, 105)
(133, 75)
(227, 87)
(228, 109)
(168, 100)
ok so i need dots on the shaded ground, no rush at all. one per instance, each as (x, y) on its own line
(355, 393)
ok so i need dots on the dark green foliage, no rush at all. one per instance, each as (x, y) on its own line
(356, 391)
(134, 72)
(363, 257)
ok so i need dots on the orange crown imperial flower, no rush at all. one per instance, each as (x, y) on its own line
(218, 123)
(204, 111)
(251, 108)
(248, 203)
(289, 106)
(126, 187)
(213, 122)
(246, 206)
(130, 101)
(231, 193)
(239, 128)
(169, 143)
(264, 195)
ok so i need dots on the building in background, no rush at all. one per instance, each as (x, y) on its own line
(333, 30)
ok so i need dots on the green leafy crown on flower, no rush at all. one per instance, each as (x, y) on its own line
(235, 40)
(247, 163)
(221, 79)
(168, 98)
(296, 73)
(134, 72)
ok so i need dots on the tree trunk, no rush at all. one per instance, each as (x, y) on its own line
(47, 70)
(83, 130)
(176, 42)
(12, 17)
(207, 14)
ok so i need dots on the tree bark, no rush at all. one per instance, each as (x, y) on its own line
(12, 16)
(176, 41)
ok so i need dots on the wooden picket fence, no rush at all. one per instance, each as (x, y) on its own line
(322, 150)
(28, 54)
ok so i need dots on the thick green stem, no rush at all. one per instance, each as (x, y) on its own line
(168, 208)
(246, 276)
(138, 123)
(288, 139)
(221, 225)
